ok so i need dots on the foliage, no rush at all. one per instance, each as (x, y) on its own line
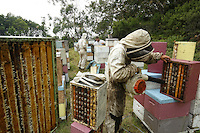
(17, 26)
(183, 20)
(166, 20)
(72, 23)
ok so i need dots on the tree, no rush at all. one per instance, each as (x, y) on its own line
(17, 26)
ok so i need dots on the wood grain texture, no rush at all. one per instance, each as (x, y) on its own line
(45, 85)
(52, 87)
(40, 99)
(28, 59)
(7, 66)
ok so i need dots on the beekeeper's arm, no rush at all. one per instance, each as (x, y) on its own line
(153, 57)
(120, 72)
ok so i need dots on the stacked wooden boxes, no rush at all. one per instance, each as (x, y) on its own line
(89, 53)
(62, 99)
(158, 110)
(160, 113)
(62, 48)
(27, 84)
(88, 104)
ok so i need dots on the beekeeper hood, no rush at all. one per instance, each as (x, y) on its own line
(84, 35)
(138, 44)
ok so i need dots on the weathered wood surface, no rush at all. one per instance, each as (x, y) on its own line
(9, 83)
(27, 86)
(50, 70)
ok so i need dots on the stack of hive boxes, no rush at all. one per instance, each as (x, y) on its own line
(62, 99)
(89, 54)
(62, 49)
(101, 55)
(157, 108)
(167, 108)
(62, 76)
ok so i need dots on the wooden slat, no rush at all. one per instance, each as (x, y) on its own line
(15, 55)
(45, 85)
(178, 80)
(6, 106)
(22, 87)
(50, 70)
(6, 63)
(40, 101)
(28, 60)
(2, 114)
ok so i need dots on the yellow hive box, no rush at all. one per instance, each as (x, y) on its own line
(62, 111)
(184, 50)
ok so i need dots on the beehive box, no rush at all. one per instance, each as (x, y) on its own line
(158, 47)
(27, 84)
(63, 55)
(172, 125)
(184, 50)
(88, 104)
(181, 79)
(111, 41)
(164, 107)
(89, 54)
(68, 60)
(138, 106)
(101, 54)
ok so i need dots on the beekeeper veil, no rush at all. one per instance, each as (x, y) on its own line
(138, 44)
(84, 35)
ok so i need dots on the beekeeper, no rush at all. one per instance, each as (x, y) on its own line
(134, 47)
(82, 50)
(98, 41)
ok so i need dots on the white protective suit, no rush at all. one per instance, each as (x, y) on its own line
(101, 42)
(82, 50)
(120, 70)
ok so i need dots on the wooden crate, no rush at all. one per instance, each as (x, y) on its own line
(27, 84)
(181, 79)
(88, 104)
(172, 125)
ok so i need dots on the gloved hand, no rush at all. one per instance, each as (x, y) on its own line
(165, 58)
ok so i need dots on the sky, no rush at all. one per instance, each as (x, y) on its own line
(34, 10)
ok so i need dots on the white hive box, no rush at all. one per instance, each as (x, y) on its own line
(63, 55)
(101, 54)
(89, 54)
(88, 104)
(111, 41)
(138, 109)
